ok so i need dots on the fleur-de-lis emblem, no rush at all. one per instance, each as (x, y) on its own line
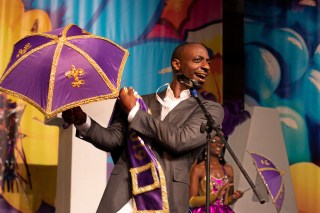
(75, 73)
(24, 50)
(265, 162)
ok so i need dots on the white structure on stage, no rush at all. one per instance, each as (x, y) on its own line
(82, 168)
(262, 134)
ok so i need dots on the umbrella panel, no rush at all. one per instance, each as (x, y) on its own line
(93, 86)
(273, 180)
(107, 55)
(271, 177)
(22, 79)
(26, 45)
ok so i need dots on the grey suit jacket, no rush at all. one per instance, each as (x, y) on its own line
(176, 141)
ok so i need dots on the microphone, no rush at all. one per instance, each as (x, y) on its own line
(190, 83)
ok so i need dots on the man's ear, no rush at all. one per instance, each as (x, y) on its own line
(175, 63)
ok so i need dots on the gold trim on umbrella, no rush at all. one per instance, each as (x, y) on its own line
(60, 41)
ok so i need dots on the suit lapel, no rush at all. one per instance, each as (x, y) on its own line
(155, 106)
(183, 108)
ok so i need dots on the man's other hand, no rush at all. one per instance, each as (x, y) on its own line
(74, 116)
(127, 99)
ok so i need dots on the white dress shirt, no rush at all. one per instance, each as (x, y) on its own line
(171, 102)
(168, 103)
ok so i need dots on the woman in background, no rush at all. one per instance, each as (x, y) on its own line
(222, 193)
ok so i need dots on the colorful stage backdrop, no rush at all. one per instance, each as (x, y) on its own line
(149, 29)
(282, 54)
(282, 57)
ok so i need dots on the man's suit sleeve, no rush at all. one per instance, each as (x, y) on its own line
(182, 135)
(106, 139)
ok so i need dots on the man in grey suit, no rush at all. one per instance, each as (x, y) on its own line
(171, 129)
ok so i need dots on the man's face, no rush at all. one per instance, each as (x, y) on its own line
(194, 62)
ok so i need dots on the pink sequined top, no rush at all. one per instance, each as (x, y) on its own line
(218, 206)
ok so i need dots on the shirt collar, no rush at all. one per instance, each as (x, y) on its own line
(183, 95)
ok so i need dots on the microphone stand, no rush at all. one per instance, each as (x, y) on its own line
(208, 127)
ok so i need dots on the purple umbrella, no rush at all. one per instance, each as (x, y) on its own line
(64, 68)
(272, 178)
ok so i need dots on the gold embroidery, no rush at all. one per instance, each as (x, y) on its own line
(135, 185)
(92, 62)
(138, 150)
(24, 50)
(164, 195)
(75, 73)
(47, 111)
(265, 162)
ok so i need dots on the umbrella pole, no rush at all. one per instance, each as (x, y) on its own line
(208, 127)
